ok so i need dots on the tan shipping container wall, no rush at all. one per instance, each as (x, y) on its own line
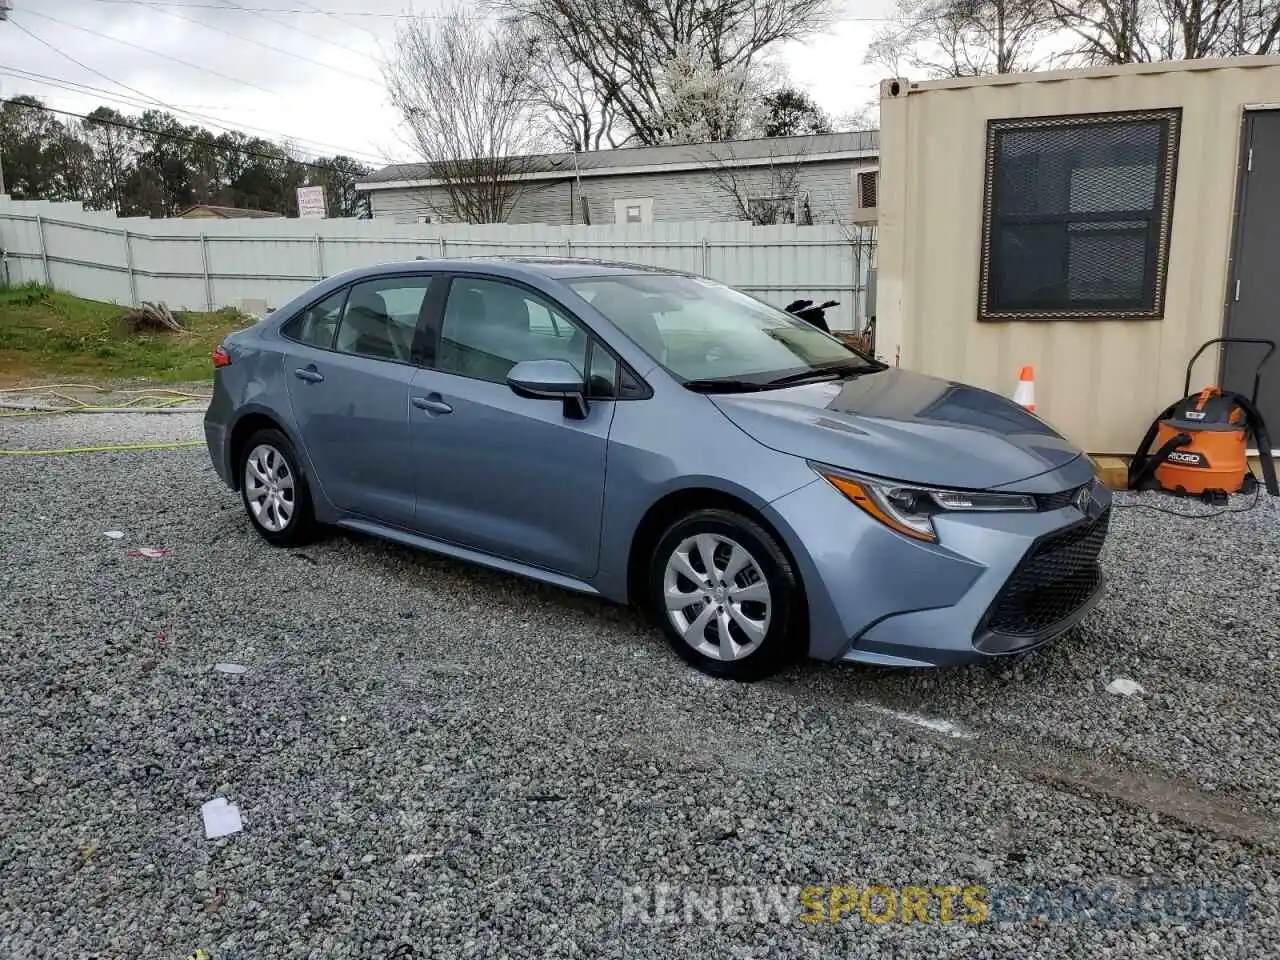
(1100, 382)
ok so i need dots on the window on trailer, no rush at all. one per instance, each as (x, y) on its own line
(1076, 216)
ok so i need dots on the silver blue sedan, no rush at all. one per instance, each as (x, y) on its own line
(760, 489)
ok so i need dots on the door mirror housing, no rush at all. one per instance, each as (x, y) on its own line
(551, 380)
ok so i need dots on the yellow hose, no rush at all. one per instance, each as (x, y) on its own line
(144, 401)
(111, 449)
(96, 389)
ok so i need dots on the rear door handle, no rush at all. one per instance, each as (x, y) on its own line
(432, 404)
(309, 374)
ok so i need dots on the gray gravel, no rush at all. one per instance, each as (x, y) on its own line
(437, 761)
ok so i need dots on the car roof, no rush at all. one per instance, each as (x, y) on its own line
(555, 268)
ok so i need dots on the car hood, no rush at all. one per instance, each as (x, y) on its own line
(903, 425)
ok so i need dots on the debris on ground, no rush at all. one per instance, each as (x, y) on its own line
(113, 534)
(1124, 687)
(221, 819)
(231, 669)
(152, 553)
(151, 317)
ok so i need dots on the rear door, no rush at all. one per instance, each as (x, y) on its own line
(1251, 304)
(509, 475)
(350, 367)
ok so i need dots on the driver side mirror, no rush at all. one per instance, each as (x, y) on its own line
(551, 380)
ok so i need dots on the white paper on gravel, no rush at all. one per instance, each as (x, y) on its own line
(221, 819)
(1124, 687)
(231, 669)
(114, 534)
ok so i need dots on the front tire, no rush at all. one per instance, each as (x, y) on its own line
(726, 596)
(275, 492)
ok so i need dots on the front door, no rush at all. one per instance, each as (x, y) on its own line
(509, 475)
(349, 369)
(1252, 309)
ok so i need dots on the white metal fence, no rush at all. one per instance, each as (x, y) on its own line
(203, 264)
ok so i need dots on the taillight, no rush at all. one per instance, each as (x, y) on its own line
(221, 358)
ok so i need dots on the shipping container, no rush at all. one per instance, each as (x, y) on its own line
(1096, 224)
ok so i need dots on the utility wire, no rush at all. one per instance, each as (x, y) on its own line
(197, 141)
(148, 98)
(306, 33)
(310, 10)
(154, 53)
(274, 49)
(81, 64)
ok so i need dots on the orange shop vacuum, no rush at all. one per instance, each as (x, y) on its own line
(1202, 441)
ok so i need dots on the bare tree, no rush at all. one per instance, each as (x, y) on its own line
(628, 47)
(1140, 31)
(465, 91)
(576, 114)
(962, 38)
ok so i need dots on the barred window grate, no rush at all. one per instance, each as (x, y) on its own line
(868, 183)
(1076, 216)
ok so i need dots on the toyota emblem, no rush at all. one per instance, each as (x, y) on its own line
(1082, 498)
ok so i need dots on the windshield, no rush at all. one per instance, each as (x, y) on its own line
(704, 332)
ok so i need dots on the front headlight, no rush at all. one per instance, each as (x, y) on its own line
(909, 509)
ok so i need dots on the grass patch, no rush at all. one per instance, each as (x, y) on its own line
(44, 333)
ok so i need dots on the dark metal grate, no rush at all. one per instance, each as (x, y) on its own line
(868, 184)
(1057, 576)
(1077, 215)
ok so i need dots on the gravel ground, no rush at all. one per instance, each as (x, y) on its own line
(437, 761)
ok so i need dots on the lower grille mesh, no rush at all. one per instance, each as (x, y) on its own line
(1056, 577)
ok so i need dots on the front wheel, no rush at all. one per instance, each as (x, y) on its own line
(726, 595)
(275, 492)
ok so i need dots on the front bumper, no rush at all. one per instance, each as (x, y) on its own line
(993, 584)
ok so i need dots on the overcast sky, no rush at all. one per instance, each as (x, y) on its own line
(289, 69)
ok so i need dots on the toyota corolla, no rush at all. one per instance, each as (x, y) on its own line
(763, 491)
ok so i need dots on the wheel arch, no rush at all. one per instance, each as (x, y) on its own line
(677, 503)
(246, 425)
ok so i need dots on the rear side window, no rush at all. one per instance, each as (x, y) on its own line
(316, 325)
(381, 318)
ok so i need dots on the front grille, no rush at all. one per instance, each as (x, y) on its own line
(1056, 501)
(1058, 574)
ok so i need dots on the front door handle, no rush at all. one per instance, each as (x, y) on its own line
(432, 404)
(309, 374)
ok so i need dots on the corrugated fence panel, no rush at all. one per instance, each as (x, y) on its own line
(197, 264)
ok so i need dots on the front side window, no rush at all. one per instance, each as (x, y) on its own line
(316, 325)
(706, 333)
(489, 326)
(381, 318)
(1077, 214)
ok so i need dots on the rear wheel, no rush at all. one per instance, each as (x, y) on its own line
(274, 491)
(725, 595)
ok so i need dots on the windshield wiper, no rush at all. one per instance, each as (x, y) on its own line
(722, 385)
(835, 372)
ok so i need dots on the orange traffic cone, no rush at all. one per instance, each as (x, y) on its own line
(1026, 392)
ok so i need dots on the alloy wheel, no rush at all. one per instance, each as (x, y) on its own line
(269, 487)
(717, 597)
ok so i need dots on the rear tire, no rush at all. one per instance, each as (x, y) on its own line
(726, 596)
(274, 491)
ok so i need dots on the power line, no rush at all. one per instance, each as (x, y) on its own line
(135, 103)
(197, 141)
(309, 11)
(154, 53)
(306, 33)
(273, 49)
(213, 121)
